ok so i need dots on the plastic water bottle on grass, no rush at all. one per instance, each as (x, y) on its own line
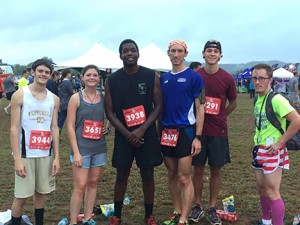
(126, 200)
(64, 221)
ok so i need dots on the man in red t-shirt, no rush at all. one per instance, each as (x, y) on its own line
(220, 101)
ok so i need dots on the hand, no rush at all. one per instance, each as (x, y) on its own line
(273, 148)
(55, 166)
(106, 130)
(20, 168)
(196, 147)
(135, 137)
(77, 159)
(139, 143)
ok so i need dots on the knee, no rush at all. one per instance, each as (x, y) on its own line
(92, 184)
(172, 174)
(122, 176)
(215, 172)
(184, 179)
(198, 171)
(148, 179)
(20, 201)
(79, 189)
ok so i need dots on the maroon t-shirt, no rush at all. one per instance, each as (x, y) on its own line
(219, 88)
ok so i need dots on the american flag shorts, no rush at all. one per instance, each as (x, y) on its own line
(269, 162)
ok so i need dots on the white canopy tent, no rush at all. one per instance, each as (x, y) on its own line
(97, 55)
(152, 57)
(281, 76)
(282, 73)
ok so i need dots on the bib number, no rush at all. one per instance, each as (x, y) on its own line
(134, 116)
(40, 140)
(92, 129)
(169, 137)
(212, 105)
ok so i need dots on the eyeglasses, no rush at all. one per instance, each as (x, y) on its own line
(260, 79)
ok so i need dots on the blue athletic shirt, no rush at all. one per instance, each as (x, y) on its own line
(179, 93)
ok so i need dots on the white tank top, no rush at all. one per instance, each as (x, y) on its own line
(35, 125)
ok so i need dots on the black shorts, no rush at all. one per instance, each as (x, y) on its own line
(146, 156)
(9, 95)
(215, 149)
(184, 144)
(1, 94)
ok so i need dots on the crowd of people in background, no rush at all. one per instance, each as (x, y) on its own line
(178, 118)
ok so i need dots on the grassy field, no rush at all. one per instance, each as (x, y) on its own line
(238, 179)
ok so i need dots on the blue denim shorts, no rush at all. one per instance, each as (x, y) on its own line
(92, 160)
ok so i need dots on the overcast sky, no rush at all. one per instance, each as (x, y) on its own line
(249, 30)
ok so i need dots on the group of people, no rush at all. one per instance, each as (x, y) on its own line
(179, 118)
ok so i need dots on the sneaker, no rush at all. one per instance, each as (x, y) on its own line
(115, 221)
(89, 222)
(150, 221)
(196, 213)
(296, 220)
(260, 223)
(5, 110)
(25, 220)
(173, 220)
(213, 217)
(183, 223)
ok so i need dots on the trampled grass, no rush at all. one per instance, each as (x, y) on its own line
(238, 179)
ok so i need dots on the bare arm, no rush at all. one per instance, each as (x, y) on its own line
(71, 119)
(196, 145)
(16, 104)
(153, 116)
(232, 105)
(294, 126)
(296, 89)
(113, 119)
(55, 136)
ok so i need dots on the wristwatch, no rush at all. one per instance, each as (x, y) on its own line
(198, 136)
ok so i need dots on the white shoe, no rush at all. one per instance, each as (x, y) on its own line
(5, 110)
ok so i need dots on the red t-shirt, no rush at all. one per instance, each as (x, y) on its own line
(1, 82)
(220, 86)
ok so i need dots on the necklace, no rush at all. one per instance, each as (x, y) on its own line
(92, 100)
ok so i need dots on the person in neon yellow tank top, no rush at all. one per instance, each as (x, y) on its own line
(270, 157)
(23, 81)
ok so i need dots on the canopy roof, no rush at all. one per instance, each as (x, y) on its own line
(152, 57)
(97, 55)
(282, 73)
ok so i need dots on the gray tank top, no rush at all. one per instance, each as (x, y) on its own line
(94, 112)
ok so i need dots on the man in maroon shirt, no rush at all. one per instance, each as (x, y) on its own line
(220, 101)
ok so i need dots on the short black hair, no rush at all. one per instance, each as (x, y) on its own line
(127, 41)
(194, 65)
(44, 62)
